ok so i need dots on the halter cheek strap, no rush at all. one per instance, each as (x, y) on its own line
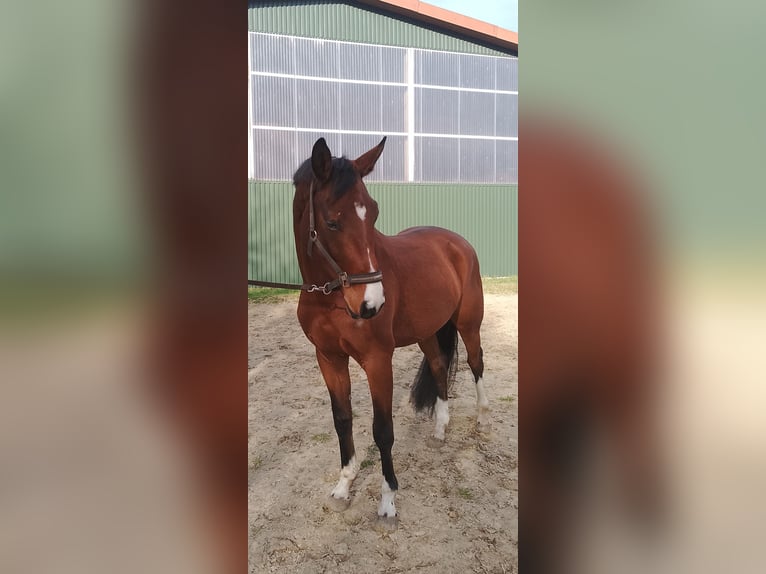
(312, 229)
(343, 279)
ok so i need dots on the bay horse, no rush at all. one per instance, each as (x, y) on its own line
(366, 293)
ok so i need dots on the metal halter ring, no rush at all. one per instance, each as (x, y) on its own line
(323, 288)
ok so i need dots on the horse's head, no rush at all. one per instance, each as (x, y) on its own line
(345, 216)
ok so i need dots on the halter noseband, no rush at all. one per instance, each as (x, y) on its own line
(343, 279)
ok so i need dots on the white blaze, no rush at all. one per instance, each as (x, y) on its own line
(442, 418)
(387, 507)
(373, 293)
(347, 476)
(361, 210)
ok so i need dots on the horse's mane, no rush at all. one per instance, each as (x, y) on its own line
(343, 176)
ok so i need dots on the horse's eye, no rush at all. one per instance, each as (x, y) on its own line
(333, 225)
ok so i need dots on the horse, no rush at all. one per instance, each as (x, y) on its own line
(365, 293)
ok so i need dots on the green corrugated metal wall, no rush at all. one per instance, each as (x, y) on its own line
(271, 245)
(486, 215)
(340, 21)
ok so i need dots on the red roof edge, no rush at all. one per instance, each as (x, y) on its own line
(449, 20)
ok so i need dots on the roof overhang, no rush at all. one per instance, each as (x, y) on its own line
(470, 27)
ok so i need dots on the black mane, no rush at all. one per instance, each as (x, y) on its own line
(343, 176)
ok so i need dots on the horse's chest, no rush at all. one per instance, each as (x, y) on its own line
(336, 332)
(321, 329)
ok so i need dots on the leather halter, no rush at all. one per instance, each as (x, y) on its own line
(343, 279)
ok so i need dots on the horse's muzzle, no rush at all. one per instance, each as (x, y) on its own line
(365, 312)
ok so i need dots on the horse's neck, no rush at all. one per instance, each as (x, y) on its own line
(300, 205)
(381, 243)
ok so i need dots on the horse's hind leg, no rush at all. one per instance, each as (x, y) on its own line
(469, 332)
(335, 372)
(439, 369)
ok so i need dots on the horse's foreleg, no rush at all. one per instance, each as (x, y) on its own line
(335, 372)
(381, 379)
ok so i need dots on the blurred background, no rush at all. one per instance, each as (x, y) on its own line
(123, 342)
(641, 137)
(123, 259)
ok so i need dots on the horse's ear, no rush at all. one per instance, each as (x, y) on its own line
(321, 160)
(366, 162)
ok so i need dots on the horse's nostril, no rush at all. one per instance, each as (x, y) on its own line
(367, 312)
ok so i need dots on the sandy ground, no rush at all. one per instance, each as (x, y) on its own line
(457, 505)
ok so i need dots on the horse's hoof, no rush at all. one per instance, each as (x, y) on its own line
(337, 504)
(484, 426)
(387, 523)
(483, 421)
(434, 442)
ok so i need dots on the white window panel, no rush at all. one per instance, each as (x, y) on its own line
(317, 104)
(437, 68)
(437, 111)
(438, 159)
(274, 154)
(272, 53)
(393, 64)
(507, 74)
(273, 101)
(393, 108)
(360, 106)
(477, 72)
(507, 162)
(477, 160)
(477, 113)
(507, 120)
(314, 57)
(359, 61)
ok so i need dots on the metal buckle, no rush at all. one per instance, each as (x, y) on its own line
(323, 288)
(344, 279)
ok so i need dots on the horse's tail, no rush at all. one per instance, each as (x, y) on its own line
(425, 391)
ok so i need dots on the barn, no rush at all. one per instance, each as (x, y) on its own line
(442, 87)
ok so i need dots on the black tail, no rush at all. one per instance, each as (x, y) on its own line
(425, 391)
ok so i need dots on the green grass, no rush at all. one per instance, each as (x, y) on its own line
(270, 295)
(500, 285)
(371, 457)
(508, 399)
(493, 285)
(255, 463)
(321, 437)
(465, 493)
